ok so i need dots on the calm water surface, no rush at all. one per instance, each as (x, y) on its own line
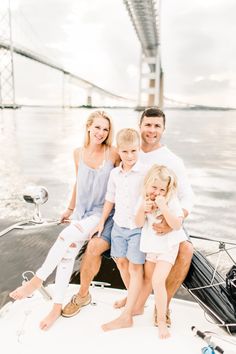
(37, 145)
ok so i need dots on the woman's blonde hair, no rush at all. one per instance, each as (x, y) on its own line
(90, 120)
(127, 136)
(165, 175)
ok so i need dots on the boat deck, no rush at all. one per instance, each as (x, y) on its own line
(20, 333)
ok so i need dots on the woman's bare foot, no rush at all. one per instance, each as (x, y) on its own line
(163, 330)
(120, 303)
(120, 322)
(51, 317)
(26, 289)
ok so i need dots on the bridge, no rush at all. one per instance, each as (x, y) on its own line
(144, 17)
(68, 77)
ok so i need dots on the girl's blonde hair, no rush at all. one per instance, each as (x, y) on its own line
(165, 175)
(90, 120)
(127, 136)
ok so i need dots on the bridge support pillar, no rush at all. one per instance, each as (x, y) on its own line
(65, 90)
(151, 93)
(7, 81)
(89, 97)
(151, 82)
(161, 89)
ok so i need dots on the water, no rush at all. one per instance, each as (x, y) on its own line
(37, 145)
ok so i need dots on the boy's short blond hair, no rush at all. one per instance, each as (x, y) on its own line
(127, 136)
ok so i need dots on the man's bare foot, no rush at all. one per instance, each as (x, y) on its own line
(163, 330)
(120, 303)
(120, 322)
(26, 289)
(51, 317)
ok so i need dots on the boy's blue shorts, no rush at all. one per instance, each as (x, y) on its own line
(125, 243)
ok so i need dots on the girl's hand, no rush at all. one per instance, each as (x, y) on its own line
(65, 217)
(160, 201)
(149, 205)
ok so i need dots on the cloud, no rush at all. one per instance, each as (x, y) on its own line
(198, 42)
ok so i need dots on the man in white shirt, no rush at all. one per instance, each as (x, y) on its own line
(152, 126)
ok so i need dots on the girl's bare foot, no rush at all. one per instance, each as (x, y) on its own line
(163, 330)
(51, 317)
(26, 289)
(120, 322)
(120, 303)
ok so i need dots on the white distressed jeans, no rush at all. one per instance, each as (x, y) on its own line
(63, 253)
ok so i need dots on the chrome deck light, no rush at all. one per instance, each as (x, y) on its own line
(36, 195)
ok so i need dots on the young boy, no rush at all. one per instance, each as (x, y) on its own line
(123, 190)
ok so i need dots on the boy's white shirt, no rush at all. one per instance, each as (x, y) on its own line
(124, 189)
(164, 156)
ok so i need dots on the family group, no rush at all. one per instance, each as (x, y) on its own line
(132, 199)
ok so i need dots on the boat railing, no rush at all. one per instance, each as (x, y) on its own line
(208, 281)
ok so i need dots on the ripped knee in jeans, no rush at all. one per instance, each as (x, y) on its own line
(72, 245)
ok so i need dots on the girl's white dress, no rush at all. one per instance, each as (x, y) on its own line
(151, 242)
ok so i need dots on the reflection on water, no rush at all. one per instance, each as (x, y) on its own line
(37, 144)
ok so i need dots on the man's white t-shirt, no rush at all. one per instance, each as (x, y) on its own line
(164, 156)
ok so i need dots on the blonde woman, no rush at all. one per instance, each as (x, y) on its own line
(93, 163)
(159, 198)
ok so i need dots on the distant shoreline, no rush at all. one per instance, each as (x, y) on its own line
(195, 108)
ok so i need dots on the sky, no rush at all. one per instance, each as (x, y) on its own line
(96, 40)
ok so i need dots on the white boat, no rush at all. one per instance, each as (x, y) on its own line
(192, 331)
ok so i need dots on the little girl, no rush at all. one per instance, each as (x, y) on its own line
(159, 199)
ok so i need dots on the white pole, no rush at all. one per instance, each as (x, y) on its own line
(11, 51)
(140, 78)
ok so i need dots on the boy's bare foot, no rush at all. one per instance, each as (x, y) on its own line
(137, 311)
(163, 330)
(26, 289)
(51, 317)
(120, 303)
(120, 322)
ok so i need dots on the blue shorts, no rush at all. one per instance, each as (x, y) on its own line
(125, 243)
(106, 233)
